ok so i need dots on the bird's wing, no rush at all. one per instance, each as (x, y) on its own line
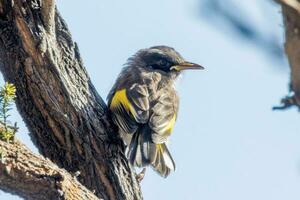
(163, 116)
(130, 107)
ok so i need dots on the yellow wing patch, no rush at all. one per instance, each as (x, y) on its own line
(120, 98)
(169, 128)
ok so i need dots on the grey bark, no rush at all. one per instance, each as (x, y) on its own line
(67, 119)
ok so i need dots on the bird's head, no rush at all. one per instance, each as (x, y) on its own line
(162, 59)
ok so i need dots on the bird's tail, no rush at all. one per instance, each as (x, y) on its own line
(142, 152)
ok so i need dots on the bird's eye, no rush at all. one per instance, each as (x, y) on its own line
(158, 65)
(154, 66)
(162, 62)
(161, 65)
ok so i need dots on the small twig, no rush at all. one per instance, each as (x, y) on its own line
(287, 102)
(14, 128)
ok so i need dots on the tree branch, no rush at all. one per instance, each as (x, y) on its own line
(291, 3)
(291, 16)
(67, 119)
(33, 177)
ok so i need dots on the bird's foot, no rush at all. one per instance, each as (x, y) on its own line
(141, 175)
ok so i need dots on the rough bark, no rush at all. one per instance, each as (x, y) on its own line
(291, 17)
(68, 121)
(33, 177)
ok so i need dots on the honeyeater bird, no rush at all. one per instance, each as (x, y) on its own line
(144, 105)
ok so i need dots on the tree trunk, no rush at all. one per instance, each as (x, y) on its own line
(67, 119)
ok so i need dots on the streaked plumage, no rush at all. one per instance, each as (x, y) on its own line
(144, 105)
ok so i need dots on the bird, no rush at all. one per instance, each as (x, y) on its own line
(144, 103)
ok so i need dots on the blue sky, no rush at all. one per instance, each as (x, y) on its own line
(228, 143)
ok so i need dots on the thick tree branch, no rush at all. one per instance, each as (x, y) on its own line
(67, 119)
(33, 177)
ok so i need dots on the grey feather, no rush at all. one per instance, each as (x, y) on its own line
(152, 95)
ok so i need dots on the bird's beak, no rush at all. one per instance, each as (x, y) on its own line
(186, 65)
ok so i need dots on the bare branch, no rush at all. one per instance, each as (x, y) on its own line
(291, 3)
(33, 177)
(286, 102)
(291, 16)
